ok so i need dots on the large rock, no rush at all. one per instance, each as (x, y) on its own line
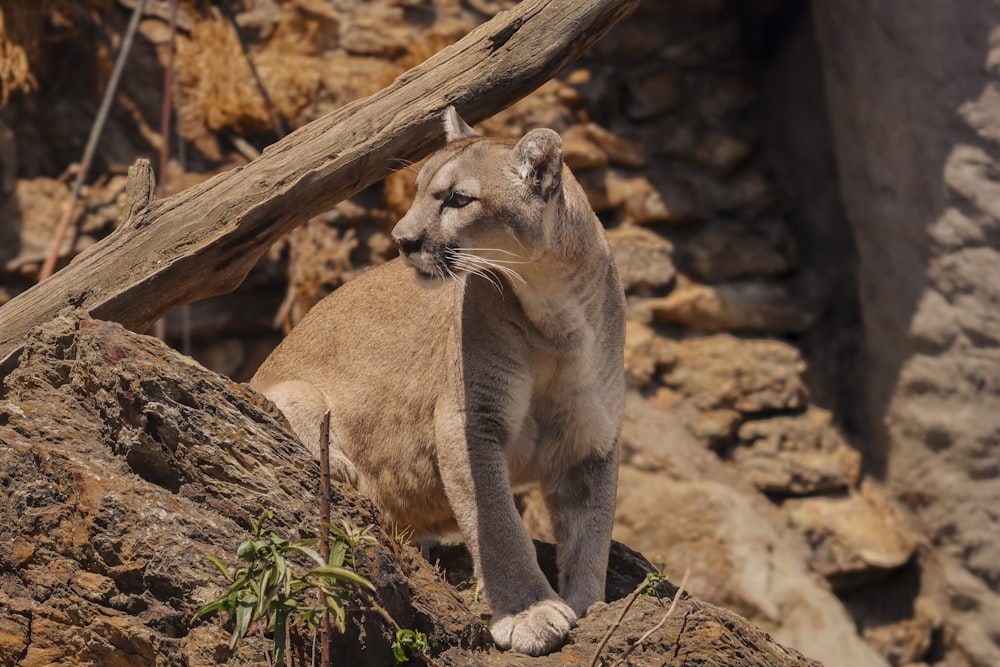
(796, 455)
(746, 375)
(123, 463)
(644, 258)
(855, 537)
(757, 306)
(680, 501)
(912, 98)
(730, 250)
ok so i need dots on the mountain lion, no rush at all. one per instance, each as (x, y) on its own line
(488, 357)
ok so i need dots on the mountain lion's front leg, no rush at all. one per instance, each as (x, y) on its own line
(581, 504)
(528, 616)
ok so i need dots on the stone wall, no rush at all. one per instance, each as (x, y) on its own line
(913, 100)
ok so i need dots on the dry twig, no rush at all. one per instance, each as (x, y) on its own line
(646, 635)
(617, 624)
(324, 524)
(95, 134)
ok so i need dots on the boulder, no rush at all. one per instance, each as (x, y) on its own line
(796, 455)
(651, 93)
(747, 375)
(681, 502)
(644, 258)
(646, 353)
(123, 464)
(758, 306)
(730, 250)
(855, 537)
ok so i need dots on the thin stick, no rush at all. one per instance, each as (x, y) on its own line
(677, 596)
(279, 129)
(607, 635)
(95, 134)
(160, 328)
(168, 89)
(324, 524)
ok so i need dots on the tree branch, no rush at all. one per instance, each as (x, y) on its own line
(203, 241)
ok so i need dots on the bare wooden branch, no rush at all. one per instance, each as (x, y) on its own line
(203, 241)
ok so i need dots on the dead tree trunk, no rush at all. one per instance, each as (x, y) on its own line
(203, 241)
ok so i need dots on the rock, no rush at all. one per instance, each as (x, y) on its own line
(595, 183)
(756, 306)
(909, 641)
(725, 94)
(639, 199)
(621, 151)
(379, 30)
(679, 501)
(740, 193)
(651, 93)
(673, 137)
(706, 47)
(656, 198)
(629, 40)
(123, 463)
(579, 151)
(546, 107)
(695, 634)
(796, 455)
(715, 429)
(644, 258)
(29, 217)
(720, 251)
(646, 353)
(750, 376)
(722, 153)
(856, 537)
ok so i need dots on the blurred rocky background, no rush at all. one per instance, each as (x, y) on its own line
(802, 201)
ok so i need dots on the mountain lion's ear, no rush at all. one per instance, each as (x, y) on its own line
(455, 127)
(538, 159)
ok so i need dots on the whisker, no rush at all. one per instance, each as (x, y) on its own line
(479, 271)
(486, 265)
(471, 264)
(506, 252)
(406, 165)
(506, 270)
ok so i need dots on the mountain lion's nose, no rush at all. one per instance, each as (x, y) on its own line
(408, 246)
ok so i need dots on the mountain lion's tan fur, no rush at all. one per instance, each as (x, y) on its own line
(489, 356)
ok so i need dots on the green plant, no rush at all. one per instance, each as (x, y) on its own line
(268, 590)
(409, 644)
(652, 582)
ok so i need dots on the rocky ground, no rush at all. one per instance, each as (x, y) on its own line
(742, 464)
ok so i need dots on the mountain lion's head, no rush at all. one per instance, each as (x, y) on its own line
(482, 205)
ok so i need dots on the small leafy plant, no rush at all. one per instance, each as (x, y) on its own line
(409, 644)
(266, 590)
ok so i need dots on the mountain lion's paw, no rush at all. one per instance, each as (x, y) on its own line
(537, 630)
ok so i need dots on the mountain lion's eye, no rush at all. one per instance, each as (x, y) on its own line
(458, 200)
